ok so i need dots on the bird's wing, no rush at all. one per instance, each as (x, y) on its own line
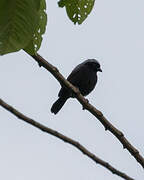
(76, 75)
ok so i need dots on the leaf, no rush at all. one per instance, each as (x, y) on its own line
(77, 10)
(18, 21)
(36, 40)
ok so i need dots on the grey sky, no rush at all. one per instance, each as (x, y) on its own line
(113, 34)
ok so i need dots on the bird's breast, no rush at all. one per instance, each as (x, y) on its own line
(87, 83)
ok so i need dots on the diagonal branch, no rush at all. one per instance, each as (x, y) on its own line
(65, 139)
(108, 126)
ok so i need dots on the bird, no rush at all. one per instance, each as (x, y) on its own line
(83, 77)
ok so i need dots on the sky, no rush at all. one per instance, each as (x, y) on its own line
(112, 34)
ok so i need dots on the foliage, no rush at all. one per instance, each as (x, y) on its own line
(22, 23)
(77, 10)
(35, 42)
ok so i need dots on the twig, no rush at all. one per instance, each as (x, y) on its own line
(108, 126)
(64, 138)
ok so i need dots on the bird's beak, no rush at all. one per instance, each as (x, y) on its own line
(99, 69)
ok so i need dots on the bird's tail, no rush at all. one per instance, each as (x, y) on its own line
(58, 105)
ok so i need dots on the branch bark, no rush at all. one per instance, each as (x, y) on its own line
(107, 125)
(65, 139)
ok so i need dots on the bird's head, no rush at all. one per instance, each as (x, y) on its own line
(93, 64)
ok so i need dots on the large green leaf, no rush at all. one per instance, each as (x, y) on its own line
(18, 21)
(77, 10)
(36, 40)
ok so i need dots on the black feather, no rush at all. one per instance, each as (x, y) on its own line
(58, 105)
(84, 77)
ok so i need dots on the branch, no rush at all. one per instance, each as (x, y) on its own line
(65, 139)
(107, 125)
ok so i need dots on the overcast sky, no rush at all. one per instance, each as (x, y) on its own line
(114, 34)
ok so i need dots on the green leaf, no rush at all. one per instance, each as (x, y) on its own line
(18, 21)
(77, 10)
(36, 40)
(62, 3)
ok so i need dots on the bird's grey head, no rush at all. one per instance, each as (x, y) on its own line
(93, 64)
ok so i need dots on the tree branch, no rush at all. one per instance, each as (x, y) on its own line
(108, 126)
(65, 139)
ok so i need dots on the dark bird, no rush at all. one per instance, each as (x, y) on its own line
(84, 77)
